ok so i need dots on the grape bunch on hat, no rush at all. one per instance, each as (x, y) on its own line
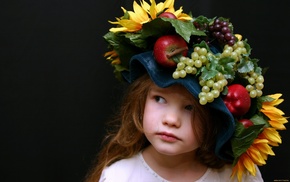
(212, 63)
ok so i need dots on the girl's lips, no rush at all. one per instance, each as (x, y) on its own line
(168, 137)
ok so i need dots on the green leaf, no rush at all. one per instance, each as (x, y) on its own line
(137, 40)
(247, 46)
(244, 137)
(245, 66)
(120, 68)
(184, 28)
(227, 67)
(155, 28)
(257, 69)
(126, 15)
(266, 99)
(126, 51)
(112, 39)
(208, 74)
(161, 26)
(258, 120)
(202, 20)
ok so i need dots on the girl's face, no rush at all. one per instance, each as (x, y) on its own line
(168, 120)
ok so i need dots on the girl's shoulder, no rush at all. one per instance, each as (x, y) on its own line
(224, 174)
(131, 169)
(120, 169)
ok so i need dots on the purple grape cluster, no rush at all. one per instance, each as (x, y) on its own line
(221, 30)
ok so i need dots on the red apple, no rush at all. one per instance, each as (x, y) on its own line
(167, 48)
(167, 15)
(246, 122)
(237, 100)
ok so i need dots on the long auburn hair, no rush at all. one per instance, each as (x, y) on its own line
(126, 137)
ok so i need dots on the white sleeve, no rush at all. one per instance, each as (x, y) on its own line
(103, 177)
(110, 174)
(256, 178)
(119, 171)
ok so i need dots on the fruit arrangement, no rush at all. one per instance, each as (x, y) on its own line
(206, 48)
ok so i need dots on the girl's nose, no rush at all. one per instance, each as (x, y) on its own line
(172, 118)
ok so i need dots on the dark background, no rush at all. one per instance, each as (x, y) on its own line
(57, 90)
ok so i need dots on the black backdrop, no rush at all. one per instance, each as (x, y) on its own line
(56, 89)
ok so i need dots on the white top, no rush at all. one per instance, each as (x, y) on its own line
(135, 169)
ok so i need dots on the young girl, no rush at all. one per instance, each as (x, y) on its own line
(194, 109)
(164, 134)
(164, 130)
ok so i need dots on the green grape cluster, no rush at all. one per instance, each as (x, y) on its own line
(234, 51)
(255, 80)
(191, 65)
(211, 88)
(255, 84)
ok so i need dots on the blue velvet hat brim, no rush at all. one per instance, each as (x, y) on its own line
(144, 62)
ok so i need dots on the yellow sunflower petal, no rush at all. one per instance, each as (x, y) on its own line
(272, 135)
(116, 61)
(238, 170)
(130, 25)
(124, 10)
(113, 57)
(270, 142)
(180, 15)
(271, 110)
(169, 4)
(275, 96)
(278, 124)
(109, 53)
(153, 9)
(263, 147)
(264, 155)
(255, 156)
(139, 15)
(183, 16)
(249, 164)
(239, 36)
(276, 100)
(160, 7)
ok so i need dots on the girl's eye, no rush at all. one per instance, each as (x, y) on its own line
(189, 107)
(159, 99)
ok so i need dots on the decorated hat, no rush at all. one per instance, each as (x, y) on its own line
(213, 63)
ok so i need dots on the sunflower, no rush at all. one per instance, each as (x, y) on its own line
(256, 154)
(132, 21)
(275, 115)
